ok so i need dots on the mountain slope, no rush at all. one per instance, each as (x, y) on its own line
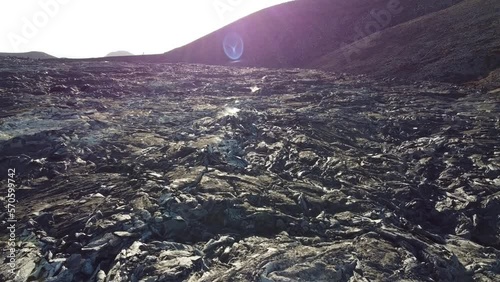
(119, 54)
(294, 33)
(460, 43)
(452, 41)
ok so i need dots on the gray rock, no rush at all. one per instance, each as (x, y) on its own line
(101, 276)
(87, 267)
(63, 276)
(325, 178)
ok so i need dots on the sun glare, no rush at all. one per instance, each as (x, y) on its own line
(93, 28)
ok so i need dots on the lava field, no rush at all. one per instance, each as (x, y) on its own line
(185, 172)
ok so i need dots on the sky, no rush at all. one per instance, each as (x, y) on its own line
(94, 28)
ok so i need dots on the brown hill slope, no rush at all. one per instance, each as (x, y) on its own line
(461, 43)
(294, 33)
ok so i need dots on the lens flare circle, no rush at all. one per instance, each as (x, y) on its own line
(233, 46)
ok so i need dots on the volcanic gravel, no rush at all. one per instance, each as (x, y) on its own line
(177, 172)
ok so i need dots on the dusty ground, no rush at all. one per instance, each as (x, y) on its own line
(161, 172)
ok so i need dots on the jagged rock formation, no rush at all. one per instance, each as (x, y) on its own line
(172, 172)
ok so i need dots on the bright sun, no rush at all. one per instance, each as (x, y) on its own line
(93, 28)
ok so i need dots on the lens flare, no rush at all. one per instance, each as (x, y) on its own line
(233, 46)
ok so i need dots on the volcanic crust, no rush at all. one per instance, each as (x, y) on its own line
(178, 172)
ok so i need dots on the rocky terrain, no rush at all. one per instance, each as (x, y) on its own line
(178, 172)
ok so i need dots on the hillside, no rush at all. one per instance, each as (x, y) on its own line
(434, 40)
(450, 41)
(119, 54)
(29, 55)
(461, 43)
(294, 33)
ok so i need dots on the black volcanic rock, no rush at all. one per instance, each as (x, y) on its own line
(177, 172)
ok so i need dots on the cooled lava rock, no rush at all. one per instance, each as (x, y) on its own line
(177, 172)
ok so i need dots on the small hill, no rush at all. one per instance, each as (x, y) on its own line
(119, 54)
(461, 43)
(295, 33)
(452, 41)
(30, 55)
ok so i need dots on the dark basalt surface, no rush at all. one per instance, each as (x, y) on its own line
(172, 172)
